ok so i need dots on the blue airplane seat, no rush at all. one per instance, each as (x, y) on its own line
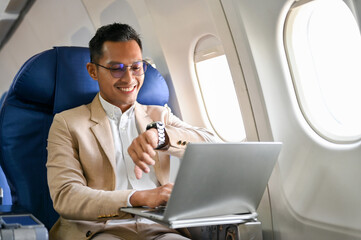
(7, 200)
(6, 189)
(48, 83)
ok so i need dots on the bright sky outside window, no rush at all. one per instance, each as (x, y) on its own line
(323, 44)
(218, 91)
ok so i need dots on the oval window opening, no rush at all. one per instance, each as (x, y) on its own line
(217, 90)
(323, 45)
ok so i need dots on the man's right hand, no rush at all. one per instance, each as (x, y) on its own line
(153, 197)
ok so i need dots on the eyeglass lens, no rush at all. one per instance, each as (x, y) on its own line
(137, 69)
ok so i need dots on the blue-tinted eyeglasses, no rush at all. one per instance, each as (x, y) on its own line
(118, 70)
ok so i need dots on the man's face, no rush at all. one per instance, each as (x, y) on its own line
(121, 92)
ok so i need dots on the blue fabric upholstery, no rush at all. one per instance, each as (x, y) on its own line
(6, 189)
(48, 83)
(3, 181)
(154, 90)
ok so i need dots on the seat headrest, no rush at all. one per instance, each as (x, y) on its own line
(35, 81)
(74, 86)
(154, 90)
(58, 78)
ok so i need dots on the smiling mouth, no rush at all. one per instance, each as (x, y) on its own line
(128, 89)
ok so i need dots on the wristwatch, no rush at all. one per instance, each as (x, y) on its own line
(161, 133)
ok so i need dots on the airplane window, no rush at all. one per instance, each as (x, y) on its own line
(217, 90)
(323, 46)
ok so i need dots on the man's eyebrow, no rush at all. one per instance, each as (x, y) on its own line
(113, 62)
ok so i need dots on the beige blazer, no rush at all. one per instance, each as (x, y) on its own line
(81, 165)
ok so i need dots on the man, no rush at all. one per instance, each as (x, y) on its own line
(114, 152)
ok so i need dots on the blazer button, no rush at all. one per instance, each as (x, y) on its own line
(179, 142)
(184, 143)
(88, 233)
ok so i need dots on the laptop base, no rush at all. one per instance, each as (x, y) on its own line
(219, 220)
(197, 222)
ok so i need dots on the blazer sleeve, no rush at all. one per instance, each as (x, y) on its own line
(181, 133)
(68, 182)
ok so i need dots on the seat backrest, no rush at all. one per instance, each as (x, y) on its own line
(3, 181)
(48, 83)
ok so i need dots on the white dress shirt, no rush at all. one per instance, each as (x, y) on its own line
(124, 130)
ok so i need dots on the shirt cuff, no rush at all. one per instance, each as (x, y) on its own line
(129, 196)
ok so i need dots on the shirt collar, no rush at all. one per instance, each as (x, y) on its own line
(114, 112)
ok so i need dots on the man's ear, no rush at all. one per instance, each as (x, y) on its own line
(92, 70)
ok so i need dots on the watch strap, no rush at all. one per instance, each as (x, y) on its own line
(161, 133)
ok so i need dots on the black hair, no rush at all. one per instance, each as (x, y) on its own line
(115, 32)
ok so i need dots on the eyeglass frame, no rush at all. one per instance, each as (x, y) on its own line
(144, 66)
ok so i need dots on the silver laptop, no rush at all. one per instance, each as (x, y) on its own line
(217, 183)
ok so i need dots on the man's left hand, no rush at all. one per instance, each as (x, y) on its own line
(142, 151)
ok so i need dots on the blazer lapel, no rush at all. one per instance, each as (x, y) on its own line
(102, 130)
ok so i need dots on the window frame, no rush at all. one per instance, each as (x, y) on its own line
(296, 72)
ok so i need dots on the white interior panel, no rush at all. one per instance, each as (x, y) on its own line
(48, 23)
(314, 189)
(178, 37)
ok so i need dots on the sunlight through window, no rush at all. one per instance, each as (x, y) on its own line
(218, 91)
(323, 44)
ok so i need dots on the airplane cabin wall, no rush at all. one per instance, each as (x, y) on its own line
(48, 23)
(314, 188)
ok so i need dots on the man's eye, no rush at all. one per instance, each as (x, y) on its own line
(117, 69)
(136, 68)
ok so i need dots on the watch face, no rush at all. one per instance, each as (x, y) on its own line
(158, 125)
(151, 125)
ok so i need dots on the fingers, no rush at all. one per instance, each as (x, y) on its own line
(153, 197)
(161, 195)
(141, 159)
(141, 163)
(142, 147)
(168, 186)
(164, 193)
(167, 189)
(142, 150)
(138, 172)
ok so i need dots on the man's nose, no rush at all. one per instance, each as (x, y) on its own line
(128, 76)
